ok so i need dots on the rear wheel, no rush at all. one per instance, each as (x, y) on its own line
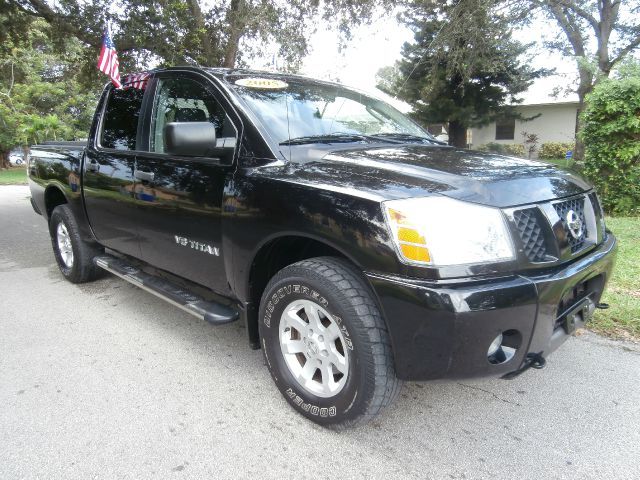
(326, 344)
(74, 256)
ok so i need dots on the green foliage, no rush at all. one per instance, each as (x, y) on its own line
(629, 68)
(611, 133)
(40, 94)
(555, 150)
(199, 32)
(466, 73)
(513, 149)
(622, 320)
(596, 35)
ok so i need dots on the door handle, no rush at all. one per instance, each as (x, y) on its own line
(93, 166)
(144, 176)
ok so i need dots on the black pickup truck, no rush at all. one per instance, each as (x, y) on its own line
(358, 250)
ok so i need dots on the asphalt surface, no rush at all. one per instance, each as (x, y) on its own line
(104, 380)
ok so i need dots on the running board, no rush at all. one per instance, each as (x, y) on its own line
(214, 313)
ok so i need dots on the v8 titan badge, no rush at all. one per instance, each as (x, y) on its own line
(199, 246)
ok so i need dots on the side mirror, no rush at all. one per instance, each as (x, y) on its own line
(190, 139)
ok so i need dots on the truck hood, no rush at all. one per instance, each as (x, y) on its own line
(406, 171)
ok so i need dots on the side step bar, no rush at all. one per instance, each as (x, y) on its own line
(211, 312)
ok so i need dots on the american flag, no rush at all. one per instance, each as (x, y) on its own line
(136, 80)
(108, 61)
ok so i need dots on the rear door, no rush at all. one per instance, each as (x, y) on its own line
(108, 181)
(180, 198)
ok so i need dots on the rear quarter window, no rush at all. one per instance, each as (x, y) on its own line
(120, 124)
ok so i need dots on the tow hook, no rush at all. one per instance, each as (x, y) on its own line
(602, 306)
(532, 360)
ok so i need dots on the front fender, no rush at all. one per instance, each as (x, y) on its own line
(265, 209)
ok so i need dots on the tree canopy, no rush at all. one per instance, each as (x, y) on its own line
(40, 95)
(597, 34)
(465, 73)
(196, 32)
(48, 51)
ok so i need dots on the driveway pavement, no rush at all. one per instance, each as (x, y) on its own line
(104, 380)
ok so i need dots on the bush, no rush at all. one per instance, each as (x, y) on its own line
(611, 133)
(514, 149)
(555, 150)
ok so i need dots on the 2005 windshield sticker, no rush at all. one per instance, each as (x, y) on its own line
(262, 83)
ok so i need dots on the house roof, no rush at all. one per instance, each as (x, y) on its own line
(543, 92)
(538, 104)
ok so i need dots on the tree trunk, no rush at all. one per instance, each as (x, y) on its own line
(235, 20)
(4, 159)
(231, 52)
(457, 134)
(205, 39)
(25, 154)
(585, 87)
(578, 151)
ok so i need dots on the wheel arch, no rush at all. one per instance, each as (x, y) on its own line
(53, 196)
(273, 255)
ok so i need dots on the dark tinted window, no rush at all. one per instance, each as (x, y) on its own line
(185, 100)
(505, 129)
(120, 123)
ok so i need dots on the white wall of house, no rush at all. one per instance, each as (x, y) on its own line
(556, 123)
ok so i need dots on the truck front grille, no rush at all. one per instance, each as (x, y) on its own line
(598, 212)
(577, 205)
(542, 230)
(528, 225)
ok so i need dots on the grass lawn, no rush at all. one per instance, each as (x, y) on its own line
(622, 319)
(14, 176)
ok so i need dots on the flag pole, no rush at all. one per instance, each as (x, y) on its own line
(108, 62)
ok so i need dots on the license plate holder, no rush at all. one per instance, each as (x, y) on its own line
(578, 315)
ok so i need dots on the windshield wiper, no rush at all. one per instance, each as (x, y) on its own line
(343, 137)
(327, 138)
(407, 137)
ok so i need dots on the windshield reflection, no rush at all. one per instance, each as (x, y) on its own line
(309, 112)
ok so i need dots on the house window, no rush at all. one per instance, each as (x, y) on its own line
(436, 129)
(505, 129)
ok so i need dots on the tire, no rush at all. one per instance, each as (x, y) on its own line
(354, 376)
(73, 255)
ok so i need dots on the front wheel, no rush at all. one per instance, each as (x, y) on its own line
(326, 344)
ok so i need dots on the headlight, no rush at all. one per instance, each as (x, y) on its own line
(441, 231)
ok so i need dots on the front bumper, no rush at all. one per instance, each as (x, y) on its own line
(444, 328)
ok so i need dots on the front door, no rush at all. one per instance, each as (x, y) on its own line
(180, 198)
(108, 181)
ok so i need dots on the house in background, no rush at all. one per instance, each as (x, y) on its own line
(551, 122)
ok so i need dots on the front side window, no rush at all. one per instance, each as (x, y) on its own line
(185, 100)
(120, 124)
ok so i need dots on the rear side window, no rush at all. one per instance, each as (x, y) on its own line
(120, 125)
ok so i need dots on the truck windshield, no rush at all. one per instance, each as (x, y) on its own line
(300, 112)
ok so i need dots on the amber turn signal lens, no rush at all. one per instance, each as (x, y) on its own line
(410, 235)
(415, 252)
